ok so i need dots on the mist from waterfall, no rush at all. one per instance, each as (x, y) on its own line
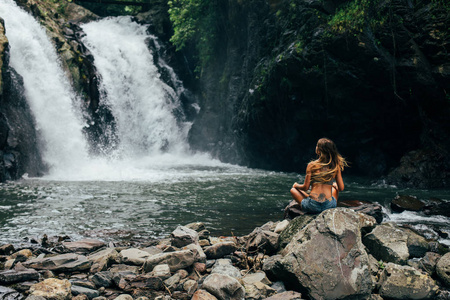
(47, 89)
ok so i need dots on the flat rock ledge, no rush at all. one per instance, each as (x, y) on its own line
(341, 253)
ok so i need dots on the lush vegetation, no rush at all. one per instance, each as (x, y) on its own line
(196, 22)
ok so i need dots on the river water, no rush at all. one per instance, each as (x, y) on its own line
(149, 182)
(228, 199)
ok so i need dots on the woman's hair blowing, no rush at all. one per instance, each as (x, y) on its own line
(324, 168)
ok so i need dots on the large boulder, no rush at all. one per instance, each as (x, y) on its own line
(327, 259)
(52, 289)
(61, 263)
(389, 243)
(443, 269)
(294, 226)
(225, 267)
(405, 282)
(224, 287)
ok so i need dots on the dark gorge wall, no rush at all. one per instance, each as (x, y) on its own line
(19, 151)
(372, 76)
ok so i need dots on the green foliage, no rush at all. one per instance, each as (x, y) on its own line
(381, 265)
(355, 15)
(196, 22)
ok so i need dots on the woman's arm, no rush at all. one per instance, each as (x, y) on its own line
(339, 180)
(307, 183)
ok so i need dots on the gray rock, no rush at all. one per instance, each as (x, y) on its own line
(260, 240)
(79, 290)
(417, 244)
(123, 297)
(134, 256)
(219, 250)
(225, 267)
(443, 269)
(289, 295)
(61, 263)
(9, 294)
(152, 250)
(161, 271)
(190, 286)
(259, 276)
(200, 255)
(224, 287)
(130, 283)
(52, 288)
(203, 295)
(176, 260)
(281, 226)
(294, 226)
(329, 250)
(103, 259)
(172, 282)
(11, 276)
(196, 226)
(388, 242)
(102, 279)
(428, 262)
(33, 297)
(258, 290)
(273, 266)
(404, 282)
(84, 246)
(6, 249)
(183, 236)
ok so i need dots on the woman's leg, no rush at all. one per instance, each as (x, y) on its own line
(335, 191)
(298, 195)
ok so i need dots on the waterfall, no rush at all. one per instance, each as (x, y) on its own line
(144, 107)
(150, 125)
(47, 90)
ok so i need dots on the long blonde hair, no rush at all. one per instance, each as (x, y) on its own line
(325, 168)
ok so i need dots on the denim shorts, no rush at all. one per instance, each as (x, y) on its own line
(313, 207)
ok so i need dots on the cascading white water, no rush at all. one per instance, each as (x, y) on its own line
(47, 90)
(142, 104)
(152, 142)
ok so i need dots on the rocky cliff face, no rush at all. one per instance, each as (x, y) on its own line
(372, 76)
(19, 151)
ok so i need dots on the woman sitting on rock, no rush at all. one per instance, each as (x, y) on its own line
(325, 178)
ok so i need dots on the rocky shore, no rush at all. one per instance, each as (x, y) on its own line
(342, 253)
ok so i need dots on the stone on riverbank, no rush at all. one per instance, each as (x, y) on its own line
(69, 262)
(183, 236)
(176, 260)
(260, 240)
(101, 260)
(404, 282)
(52, 289)
(405, 202)
(12, 276)
(7, 293)
(388, 242)
(203, 295)
(79, 290)
(443, 269)
(225, 267)
(224, 287)
(134, 256)
(288, 295)
(83, 246)
(6, 249)
(219, 250)
(327, 258)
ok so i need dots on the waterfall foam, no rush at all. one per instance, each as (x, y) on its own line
(47, 90)
(142, 104)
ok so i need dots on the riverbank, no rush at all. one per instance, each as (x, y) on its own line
(340, 253)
